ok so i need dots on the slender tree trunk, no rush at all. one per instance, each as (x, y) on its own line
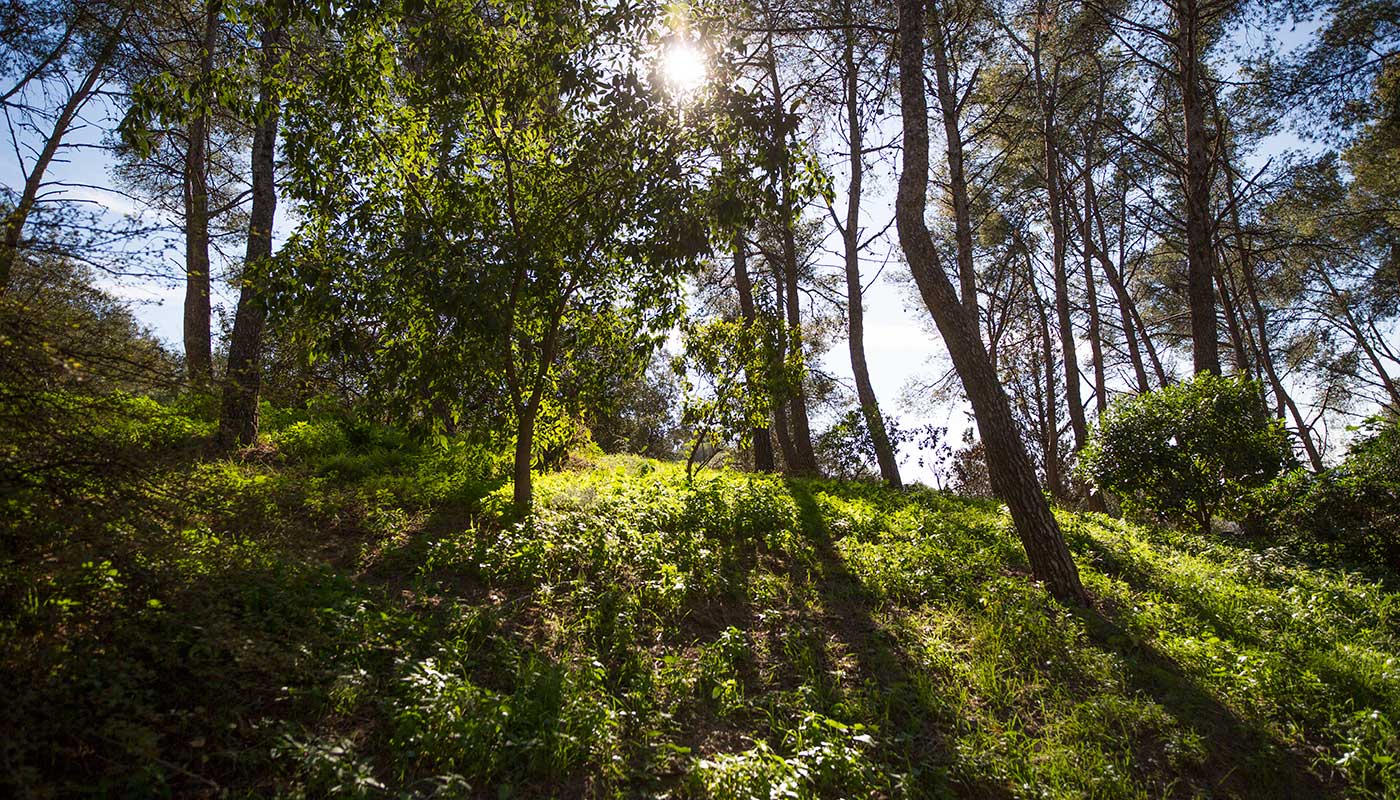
(762, 444)
(1358, 334)
(780, 402)
(199, 362)
(1059, 245)
(1013, 476)
(1094, 499)
(1053, 480)
(1091, 298)
(1243, 364)
(34, 181)
(951, 107)
(1265, 352)
(855, 310)
(523, 489)
(1092, 216)
(806, 463)
(804, 457)
(238, 422)
(1126, 302)
(1200, 251)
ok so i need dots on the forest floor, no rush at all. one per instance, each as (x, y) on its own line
(321, 621)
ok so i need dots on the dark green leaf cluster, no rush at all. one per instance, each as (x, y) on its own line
(1190, 449)
(1352, 508)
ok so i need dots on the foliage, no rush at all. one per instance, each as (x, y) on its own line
(72, 358)
(1188, 449)
(846, 450)
(1353, 507)
(285, 622)
(724, 397)
(638, 413)
(495, 215)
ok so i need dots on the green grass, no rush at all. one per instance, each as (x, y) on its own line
(357, 616)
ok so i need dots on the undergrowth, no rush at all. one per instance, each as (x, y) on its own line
(341, 611)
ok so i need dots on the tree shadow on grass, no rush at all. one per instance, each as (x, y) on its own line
(1241, 759)
(918, 728)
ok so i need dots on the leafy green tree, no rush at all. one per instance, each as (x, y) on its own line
(1191, 449)
(500, 195)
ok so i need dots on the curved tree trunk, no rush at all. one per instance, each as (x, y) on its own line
(1013, 477)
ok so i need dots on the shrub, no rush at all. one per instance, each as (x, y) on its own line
(1350, 508)
(1189, 449)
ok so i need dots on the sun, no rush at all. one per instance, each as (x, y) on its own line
(683, 66)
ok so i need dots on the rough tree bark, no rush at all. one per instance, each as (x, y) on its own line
(523, 485)
(1012, 474)
(238, 422)
(1200, 250)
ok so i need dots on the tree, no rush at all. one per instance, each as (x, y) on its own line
(238, 417)
(510, 213)
(102, 28)
(1191, 448)
(1013, 478)
(188, 169)
(850, 231)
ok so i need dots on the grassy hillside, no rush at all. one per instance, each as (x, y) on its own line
(342, 613)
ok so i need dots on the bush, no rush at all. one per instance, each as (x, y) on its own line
(1189, 450)
(1352, 508)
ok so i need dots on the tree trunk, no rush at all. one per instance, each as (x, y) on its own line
(523, 491)
(780, 402)
(804, 459)
(1264, 352)
(1094, 499)
(1200, 250)
(1093, 217)
(1358, 334)
(34, 181)
(951, 108)
(1053, 480)
(1128, 306)
(762, 444)
(1091, 298)
(855, 310)
(1059, 239)
(199, 362)
(1243, 364)
(1013, 477)
(238, 422)
(806, 463)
